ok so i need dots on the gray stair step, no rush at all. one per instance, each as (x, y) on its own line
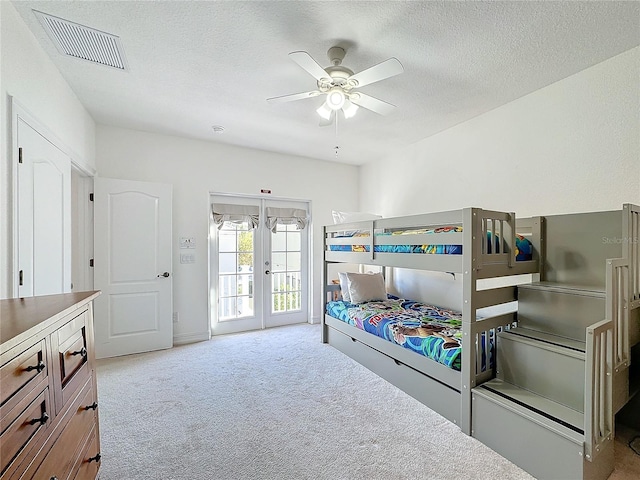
(518, 399)
(567, 288)
(547, 365)
(549, 338)
(560, 309)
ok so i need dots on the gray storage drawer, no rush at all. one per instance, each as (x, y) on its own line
(437, 396)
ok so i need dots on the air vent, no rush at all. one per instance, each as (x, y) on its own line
(83, 42)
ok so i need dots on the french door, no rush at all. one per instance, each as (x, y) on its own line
(259, 272)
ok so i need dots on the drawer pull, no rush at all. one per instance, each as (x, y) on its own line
(95, 459)
(93, 406)
(42, 420)
(39, 367)
(53, 478)
(82, 351)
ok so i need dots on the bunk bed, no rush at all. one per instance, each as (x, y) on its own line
(472, 243)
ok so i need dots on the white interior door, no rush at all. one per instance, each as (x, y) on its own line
(44, 215)
(259, 279)
(132, 267)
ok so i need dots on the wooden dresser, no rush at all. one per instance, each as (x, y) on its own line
(48, 396)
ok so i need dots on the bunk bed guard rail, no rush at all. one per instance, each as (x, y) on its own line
(617, 308)
(598, 408)
(490, 235)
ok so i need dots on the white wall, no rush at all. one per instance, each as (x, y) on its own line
(29, 75)
(573, 146)
(195, 168)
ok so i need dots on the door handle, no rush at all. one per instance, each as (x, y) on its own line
(268, 272)
(165, 274)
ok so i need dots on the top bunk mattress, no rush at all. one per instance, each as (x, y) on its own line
(524, 250)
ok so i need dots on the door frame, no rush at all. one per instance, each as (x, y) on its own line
(17, 112)
(210, 240)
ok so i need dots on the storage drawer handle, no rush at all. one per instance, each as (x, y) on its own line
(39, 367)
(53, 478)
(82, 351)
(95, 459)
(398, 362)
(42, 420)
(93, 406)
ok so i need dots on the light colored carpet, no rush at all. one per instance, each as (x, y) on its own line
(273, 404)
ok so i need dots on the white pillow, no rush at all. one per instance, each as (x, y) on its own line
(344, 286)
(366, 287)
(348, 217)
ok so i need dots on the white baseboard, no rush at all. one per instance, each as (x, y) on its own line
(191, 338)
(315, 320)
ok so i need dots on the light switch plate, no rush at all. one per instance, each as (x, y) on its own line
(187, 258)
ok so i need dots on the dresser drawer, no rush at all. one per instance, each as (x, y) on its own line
(23, 432)
(72, 359)
(88, 462)
(77, 422)
(20, 373)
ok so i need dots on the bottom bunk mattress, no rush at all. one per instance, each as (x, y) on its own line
(425, 329)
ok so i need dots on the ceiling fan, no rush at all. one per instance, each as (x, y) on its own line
(339, 84)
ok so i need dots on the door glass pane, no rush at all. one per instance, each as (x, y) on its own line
(293, 241)
(279, 242)
(235, 271)
(227, 263)
(226, 241)
(293, 261)
(278, 262)
(245, 306)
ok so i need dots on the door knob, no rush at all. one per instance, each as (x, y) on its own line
(165, 275)
(267, 272)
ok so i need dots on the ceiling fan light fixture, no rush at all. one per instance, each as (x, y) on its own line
(335, 98)
(324, 111)
(349, 109)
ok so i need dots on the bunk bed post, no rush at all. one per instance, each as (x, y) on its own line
(631, 249)
(539, 247)
(324, 280)
(472, 227)
(511, 237)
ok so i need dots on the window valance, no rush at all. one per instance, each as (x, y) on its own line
(285, 216)
(236, 214)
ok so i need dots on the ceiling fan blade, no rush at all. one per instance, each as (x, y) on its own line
(295, 96)
(378, 72)
(310, 65)
(371, 103)
(326, 123)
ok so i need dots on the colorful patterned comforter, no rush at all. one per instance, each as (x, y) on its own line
(428, 330)
(523, 245)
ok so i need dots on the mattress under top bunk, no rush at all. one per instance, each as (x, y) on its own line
(383, 244)
(428, 330)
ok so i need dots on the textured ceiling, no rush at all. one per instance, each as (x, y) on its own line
(193, 64)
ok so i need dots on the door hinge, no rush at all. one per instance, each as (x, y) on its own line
(91, 262)
(91, 197)
(19, 154)
(21, 278)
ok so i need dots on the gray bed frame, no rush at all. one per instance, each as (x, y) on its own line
(563, 359)
(446, 391)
